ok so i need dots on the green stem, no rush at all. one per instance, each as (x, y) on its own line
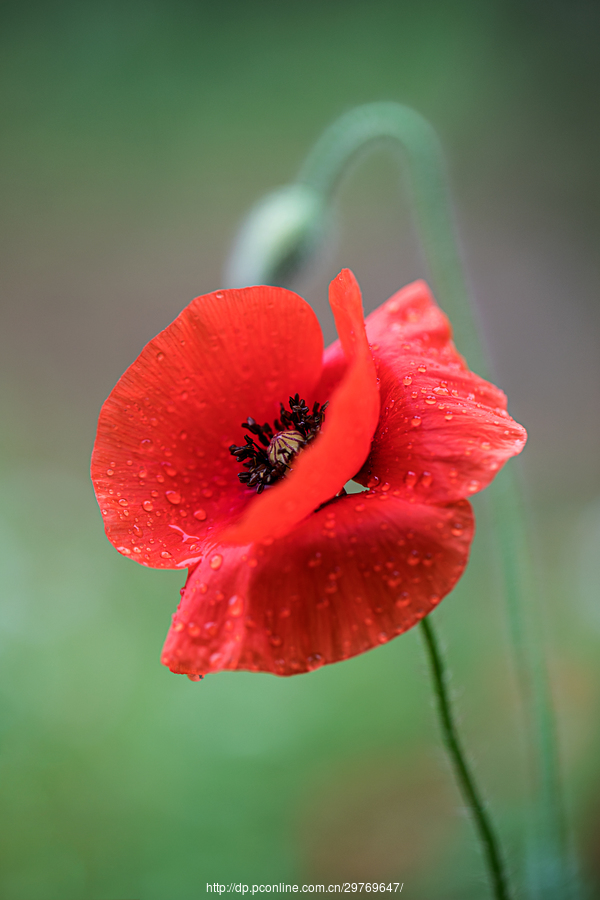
(356, 133)
(350, 136)
(464, 776)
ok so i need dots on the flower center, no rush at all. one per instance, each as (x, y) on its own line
(268, 451)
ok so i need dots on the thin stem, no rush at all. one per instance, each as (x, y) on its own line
(356, 133)
(464, 776)
(344, 142)
(341, 144)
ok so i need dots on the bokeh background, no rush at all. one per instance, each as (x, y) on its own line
(136, 134)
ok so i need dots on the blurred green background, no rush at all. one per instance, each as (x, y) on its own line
(135, 137)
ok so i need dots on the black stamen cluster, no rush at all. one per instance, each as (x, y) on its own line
(300, 419)
(260, 470)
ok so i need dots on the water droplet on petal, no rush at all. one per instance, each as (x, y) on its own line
(314, 661)
(165, 554)
(426, 479)
(216, 561)
(473, 486)
(410, 479)
(236, 605)
(200, 514)
(415, 421)
(110, 471)
(407, 380)
(422, 369)
(148, 505)
(160, 356)
(123, 502)
(173, 497)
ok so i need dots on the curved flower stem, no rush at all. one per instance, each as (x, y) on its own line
(352, 136)
(344, 141)
(464, 776)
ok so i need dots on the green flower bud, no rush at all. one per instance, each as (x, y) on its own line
(277, 238)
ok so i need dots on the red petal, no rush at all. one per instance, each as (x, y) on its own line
(341, 448)
(161, 466)
(353, 575)
(443, 432)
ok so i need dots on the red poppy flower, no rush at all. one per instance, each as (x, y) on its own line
(286, 571)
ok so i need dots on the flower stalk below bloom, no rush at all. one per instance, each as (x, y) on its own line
(551, 870)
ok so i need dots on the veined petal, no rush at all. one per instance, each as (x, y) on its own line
(321, 470)
(443, 432)
(161, 467)
(353, 575)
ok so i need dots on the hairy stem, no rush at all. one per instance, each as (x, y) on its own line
(341, 144)
(344, 142)
(354, 135)
(464, 776)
